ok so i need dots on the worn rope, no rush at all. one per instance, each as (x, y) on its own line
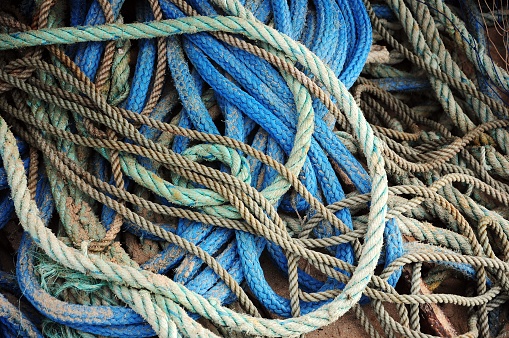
(235, 135)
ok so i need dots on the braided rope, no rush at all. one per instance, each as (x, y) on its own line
(162, 220)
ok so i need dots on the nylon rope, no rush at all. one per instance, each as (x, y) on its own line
(158, 155)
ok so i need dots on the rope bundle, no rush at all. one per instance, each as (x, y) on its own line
(151, 164)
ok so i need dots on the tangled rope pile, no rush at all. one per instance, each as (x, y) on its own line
(153, 164)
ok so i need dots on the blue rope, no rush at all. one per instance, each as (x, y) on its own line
(402, 84)
(137, 95)
(476, 28)
(256, 103)
(102, 320)
(194, 114)
(88, 55)
(6, 204)
(258, 100)
(14, 321)
(383, 12)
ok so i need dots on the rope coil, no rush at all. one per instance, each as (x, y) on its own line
(154, 188)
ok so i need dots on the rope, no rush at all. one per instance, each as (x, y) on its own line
(154, 166)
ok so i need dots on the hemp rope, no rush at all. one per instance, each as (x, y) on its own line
(424, 158)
